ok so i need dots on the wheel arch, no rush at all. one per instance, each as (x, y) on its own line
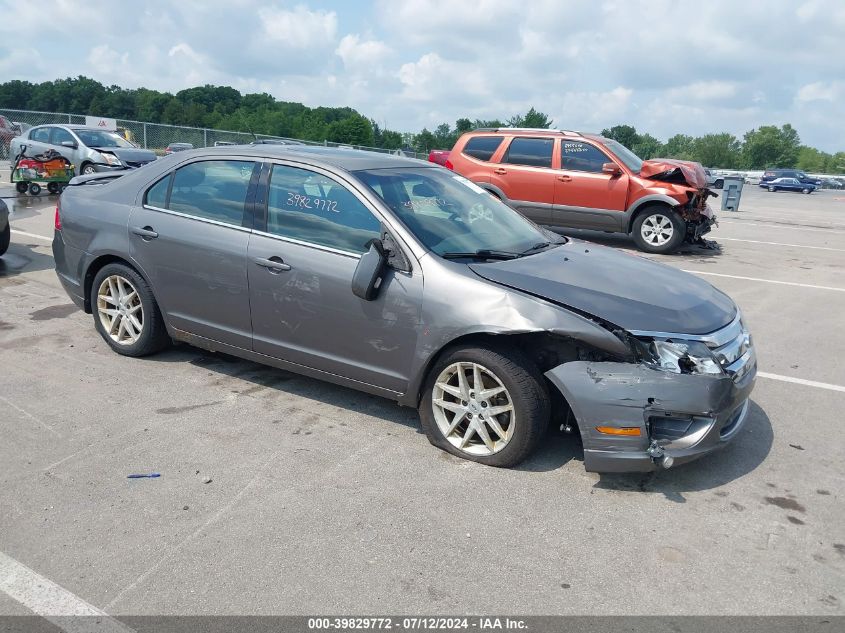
(96, 265)
(647, 202)
(527, 343)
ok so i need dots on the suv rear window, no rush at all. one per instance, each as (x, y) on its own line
(482, 147)
(534, 152)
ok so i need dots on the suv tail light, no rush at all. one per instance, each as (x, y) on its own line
(57, 220)
(448, 165)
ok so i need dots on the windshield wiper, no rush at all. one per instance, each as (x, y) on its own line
(536, 248)
(483, 253)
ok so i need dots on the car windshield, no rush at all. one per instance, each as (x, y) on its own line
(102, 138)
(631, 160)
(453, 216)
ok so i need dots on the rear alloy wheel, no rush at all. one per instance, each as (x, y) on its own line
(125, 312)
(658, 230)
(486, 406)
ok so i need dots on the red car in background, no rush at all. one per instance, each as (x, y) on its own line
(439, 156)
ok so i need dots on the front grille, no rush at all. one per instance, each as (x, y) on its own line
(733, 348)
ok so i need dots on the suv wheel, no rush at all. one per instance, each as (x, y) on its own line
(126, 313)
(805, 190)
(658, 230)
(488, 406)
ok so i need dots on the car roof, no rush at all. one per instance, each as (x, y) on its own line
(347, 159)
(530, 131)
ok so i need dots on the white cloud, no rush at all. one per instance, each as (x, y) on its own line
(821, 91)
(300, 28)
(360, 54)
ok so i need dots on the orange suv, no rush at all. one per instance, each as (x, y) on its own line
(586, 181)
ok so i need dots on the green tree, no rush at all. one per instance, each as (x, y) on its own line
(679, 146)
(770, 146)
(647, 146)
(625, 134)
(353, 130)
(532, 118)
(424, 142)
(717, 150)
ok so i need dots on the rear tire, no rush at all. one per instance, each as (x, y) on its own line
(34, 189)
(658, 229)
(53, 188)
(21, 187)
(5, 238)
(719, 184)
(509, 410)
(126, 313)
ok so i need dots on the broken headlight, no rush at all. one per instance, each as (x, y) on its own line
(681, 357)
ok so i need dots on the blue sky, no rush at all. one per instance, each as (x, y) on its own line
(664, 66)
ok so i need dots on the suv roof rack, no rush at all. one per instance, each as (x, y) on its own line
(528, 129)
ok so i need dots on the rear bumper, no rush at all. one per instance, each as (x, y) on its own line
(686, 415)
(72, 285)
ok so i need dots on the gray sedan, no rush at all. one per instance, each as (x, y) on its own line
(90, 149)
(402, 279)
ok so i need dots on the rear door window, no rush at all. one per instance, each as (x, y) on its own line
(482, 147)
(580, 156)
(310, 207)
(533, 152)
(212, 190)
(41, 135)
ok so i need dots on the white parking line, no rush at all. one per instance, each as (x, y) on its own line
(36, 236)
(818, 248)
(52, 602)
(768, 281)
(783, 225)
(801, 381)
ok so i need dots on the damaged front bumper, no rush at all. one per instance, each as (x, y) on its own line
(678, 416)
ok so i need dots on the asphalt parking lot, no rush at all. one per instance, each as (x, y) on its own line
(322, 499)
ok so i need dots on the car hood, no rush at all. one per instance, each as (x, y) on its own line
(129, 154)
(626, 290)
(671, 170)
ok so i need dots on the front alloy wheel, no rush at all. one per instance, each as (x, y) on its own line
(120, 310)
(657, 230)
(473, 409)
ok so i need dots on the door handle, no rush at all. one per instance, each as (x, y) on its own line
(500, 171)
(274, 264)
(146, 233)
(564, 178)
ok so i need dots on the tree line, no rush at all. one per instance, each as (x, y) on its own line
(224, 108)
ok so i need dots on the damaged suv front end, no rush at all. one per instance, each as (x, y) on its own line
(683, 396)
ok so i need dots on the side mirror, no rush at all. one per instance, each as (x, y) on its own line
(69, 144)
(611, 168)
(368, 274)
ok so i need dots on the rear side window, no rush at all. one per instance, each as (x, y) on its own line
(157, 194)
(578, 156)
(307, 206)
(42, 135)
(482, 147)
(534, 152)
(212, 190)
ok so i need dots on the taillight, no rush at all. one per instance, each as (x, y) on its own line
(448, 165)
(57, 220)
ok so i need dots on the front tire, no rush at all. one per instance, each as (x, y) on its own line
(5, 239)
(485, 405)
(658, 230)
(771, 189)
(805, 190)
(87, 169)
(126, 313)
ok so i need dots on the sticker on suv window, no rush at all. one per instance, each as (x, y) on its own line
(469, 184)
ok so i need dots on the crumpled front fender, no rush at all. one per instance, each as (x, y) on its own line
(634, 395)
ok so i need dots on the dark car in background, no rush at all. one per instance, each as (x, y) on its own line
(402, 279)
(788, 184)
(773, 174)
(8, 131)
(177, 147)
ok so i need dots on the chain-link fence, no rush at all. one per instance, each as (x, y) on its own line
(157, 136)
